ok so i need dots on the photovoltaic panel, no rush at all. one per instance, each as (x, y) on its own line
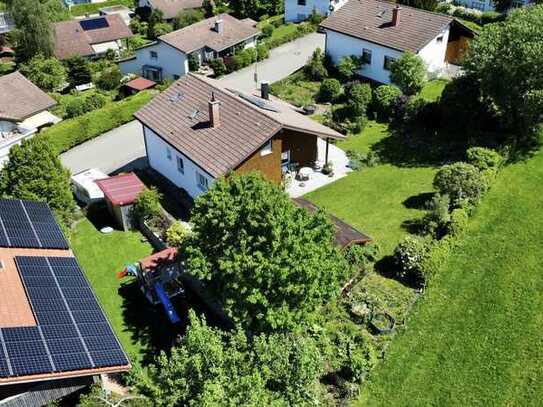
(45, 226)
(72, 333)
(94, 24)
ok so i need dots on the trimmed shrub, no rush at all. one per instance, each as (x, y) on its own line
(177, 233)
(438, 254)
(459, 222)
(262, 52)
(437, 217)
(267, 30)
(315, 18)
(360, 256)
(315, 68)
(74, 108)
(409, 256)
(409, 73)
(194, 62)
(330, 90)
(484, 158)
(348, 67)
(147, 204)
(109, 79)
(462, 182)
(384, 97)
(218, 66)
(358, 98)
(94, 101)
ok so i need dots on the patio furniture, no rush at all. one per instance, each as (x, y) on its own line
(317, 165)
(304, 173)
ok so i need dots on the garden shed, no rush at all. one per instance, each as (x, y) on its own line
(120, 192)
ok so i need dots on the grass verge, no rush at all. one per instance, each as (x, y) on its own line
(92, 8)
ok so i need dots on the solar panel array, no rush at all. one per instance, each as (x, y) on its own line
(72, 332)
(29, 224)
(94, 24)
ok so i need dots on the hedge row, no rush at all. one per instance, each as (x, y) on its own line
(69, 133)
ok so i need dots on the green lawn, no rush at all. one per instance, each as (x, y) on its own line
(433, 89)
(376, 200)
(475, 339)
(92, 8)
(101, 257)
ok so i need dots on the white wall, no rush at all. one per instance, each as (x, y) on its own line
(157, 154)
(433, 54)
(172, 61)
(296, 13)
(340, 45)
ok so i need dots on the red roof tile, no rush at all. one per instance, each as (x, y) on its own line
(122, 189)
(140, 83)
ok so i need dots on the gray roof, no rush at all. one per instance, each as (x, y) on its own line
(180, 116)
(370, 20)
(203, 34)
(20, 98)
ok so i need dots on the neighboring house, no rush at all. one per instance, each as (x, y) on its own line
(170, 8)
(300, 10)
(54, 336)
(167, 58)
(23, 111)
(90, 37)
(380, 32)
(197, 131)
(6, 25)
(125, 13)
(488, 5)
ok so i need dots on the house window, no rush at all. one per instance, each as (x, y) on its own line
(180, 165)
(388, 63)
(154, 54)
(302, 2)
(366, 56)
(267, 149)
(439, 39)
(285, 159)
(169, 153)
(201, 181)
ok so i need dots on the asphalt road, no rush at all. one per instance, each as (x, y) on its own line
(124, 145)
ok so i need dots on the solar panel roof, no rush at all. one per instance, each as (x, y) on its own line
(94, 24)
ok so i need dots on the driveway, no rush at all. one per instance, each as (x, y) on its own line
(283, 61)
(124, 145)
(109, 152)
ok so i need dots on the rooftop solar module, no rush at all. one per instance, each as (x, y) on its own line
(72, 332)
(29, 224)
(94, 24)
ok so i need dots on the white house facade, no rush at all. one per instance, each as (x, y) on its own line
(175, 166)
(300, 10)
(488, 5)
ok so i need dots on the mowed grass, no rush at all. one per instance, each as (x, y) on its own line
(101, 257)
(476, 338)
(432, 90)
(376, 200)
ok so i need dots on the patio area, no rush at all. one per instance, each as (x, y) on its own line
(317, 179)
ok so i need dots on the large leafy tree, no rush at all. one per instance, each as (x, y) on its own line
(409, 73)
(34, 33)
(256, 8)
(506, 60)
(47, 73)
(213, 368)
(270, 263)
(79, 71)
(35, 172)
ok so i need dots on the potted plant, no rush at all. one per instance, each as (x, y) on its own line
(328, 169)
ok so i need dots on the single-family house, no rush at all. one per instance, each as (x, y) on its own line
(170, 8)
(125, 13)
(6, 25)
(381, 31)
(90, 37)
(23, 111)
(488, 5)
(300, 10)
(54, 336)
(167, 58)
(198, 130)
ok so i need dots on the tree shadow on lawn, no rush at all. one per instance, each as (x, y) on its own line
(387, 267)
(418, 201)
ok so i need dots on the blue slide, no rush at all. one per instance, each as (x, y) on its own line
(168, 307)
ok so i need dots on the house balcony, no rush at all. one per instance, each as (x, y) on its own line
(315, 178)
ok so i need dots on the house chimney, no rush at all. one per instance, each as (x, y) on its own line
(219, 26)
(214, 111)
(265, 90)
(396, 11)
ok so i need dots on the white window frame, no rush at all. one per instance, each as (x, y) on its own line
(180, 165)
(201, 181)
(266, 149)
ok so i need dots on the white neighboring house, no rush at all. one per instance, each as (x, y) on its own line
(488, 5)
(380, 32)
(23, 111)
(167, 58)
(300, 10)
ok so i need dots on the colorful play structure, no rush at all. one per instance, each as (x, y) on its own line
(158, 278)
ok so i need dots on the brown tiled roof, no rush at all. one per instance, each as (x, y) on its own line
(371, 20)
(140, 83)
(20, 98)
(171, 8)
(203, 34)
(121, 189)
(345, 235)
(71, 39)
(180, 116)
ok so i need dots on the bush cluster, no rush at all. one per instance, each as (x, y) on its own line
(469, 14)
(218, 66)
(409, 257)
(384, 98)
(301, 30)
(81, 105)
(330, 90)
(464, 183)
(177, 233)
(147, 205)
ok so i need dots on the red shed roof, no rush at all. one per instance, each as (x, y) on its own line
(166, 256)
(140, 83)
(122, 189)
